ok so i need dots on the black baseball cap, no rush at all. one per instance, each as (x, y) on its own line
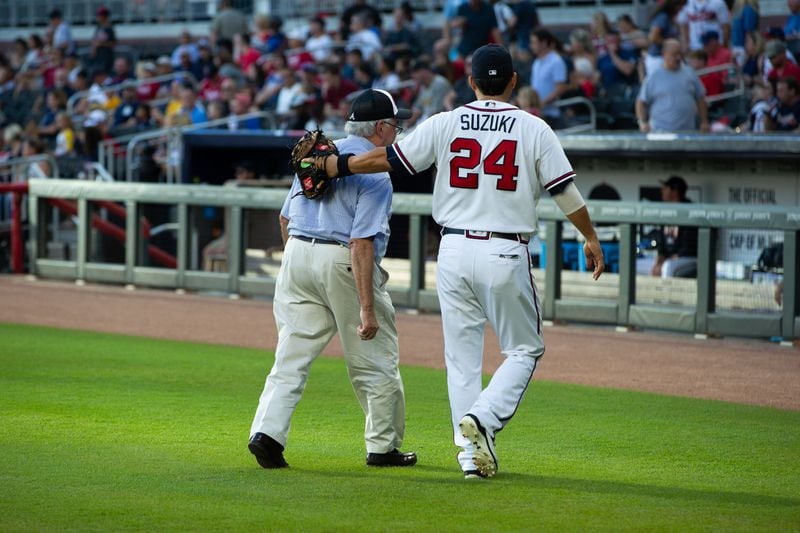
(375, 104)
(492, 61)
(676, 183)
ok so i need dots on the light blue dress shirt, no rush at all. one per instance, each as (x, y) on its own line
(356, 207)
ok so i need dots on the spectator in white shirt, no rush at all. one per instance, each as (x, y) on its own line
(700, 16)
(363, 38)
(319, 44)
(62, 33)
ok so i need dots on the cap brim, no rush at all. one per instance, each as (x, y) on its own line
(403, 114)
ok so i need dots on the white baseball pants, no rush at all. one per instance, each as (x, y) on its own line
(479, 281)
(315, 296)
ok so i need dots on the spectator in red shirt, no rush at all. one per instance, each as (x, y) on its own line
(781, 66)
(334, 90)
(147, 91)
(716, 54)
(248, 55)
(297, 56)
(211, 87)
(713, 83)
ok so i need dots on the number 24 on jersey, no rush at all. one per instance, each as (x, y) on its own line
(499, 162)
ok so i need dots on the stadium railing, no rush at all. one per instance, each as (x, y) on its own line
(21, 14)
(169, 140)
(578, 125)
(624, 310)
(14, 175)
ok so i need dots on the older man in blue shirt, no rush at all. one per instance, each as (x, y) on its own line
(331, 281)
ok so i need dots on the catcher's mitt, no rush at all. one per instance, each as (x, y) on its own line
(313, 181)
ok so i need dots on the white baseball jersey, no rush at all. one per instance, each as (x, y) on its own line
(702, 16)
(493, 159)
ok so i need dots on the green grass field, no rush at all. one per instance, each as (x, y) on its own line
(107, 432)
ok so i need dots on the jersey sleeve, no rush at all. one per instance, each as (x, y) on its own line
(417, 151)
(554, 169)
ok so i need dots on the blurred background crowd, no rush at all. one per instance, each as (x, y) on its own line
(63, 97)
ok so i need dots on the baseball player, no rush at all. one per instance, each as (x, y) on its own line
(492, 160)
(330, 280)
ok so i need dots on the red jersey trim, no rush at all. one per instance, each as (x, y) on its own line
(408, 165)
(559, 179)
(491, 110)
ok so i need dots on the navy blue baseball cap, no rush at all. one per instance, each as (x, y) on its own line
(376, 104)
(492, 61)
(709, 36)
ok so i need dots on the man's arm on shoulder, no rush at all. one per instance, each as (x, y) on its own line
(365, 163)
(362, 257)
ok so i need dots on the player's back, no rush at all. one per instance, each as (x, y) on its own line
(490, 155)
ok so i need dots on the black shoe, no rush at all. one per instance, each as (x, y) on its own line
(268, 452)
(392, 458)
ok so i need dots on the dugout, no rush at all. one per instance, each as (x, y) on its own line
(210, 156)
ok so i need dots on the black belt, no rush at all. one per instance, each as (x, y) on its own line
(315, 240)
(486, 235)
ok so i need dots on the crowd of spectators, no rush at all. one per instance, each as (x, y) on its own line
(306, 77)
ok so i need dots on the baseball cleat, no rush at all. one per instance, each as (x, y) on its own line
(473, 474)
(484, 458)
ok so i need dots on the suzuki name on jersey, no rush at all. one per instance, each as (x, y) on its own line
(487, 122)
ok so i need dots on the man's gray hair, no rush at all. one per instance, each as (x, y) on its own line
(361, 129)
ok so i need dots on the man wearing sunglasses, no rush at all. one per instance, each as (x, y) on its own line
(331, 281)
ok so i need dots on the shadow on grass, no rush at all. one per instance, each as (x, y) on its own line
(447, 476)
(641, 489)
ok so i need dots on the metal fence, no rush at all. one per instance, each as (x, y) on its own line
(621, 306)
(33, 13)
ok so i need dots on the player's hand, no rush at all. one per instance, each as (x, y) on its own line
(327, 163)
(594, 257)
(369, 325)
